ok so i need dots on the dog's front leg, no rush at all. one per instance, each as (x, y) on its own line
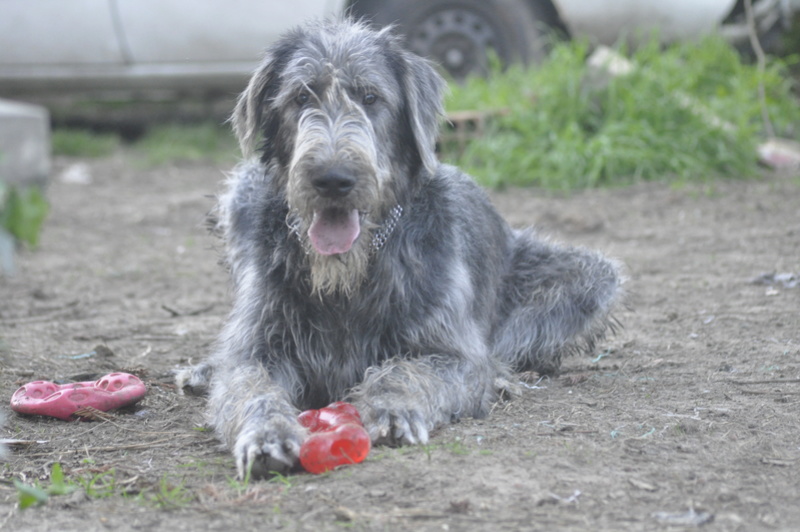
(254, 417)
(405, 399)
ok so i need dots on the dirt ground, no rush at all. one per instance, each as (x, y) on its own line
(688, 417)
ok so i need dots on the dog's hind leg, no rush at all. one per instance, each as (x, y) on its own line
(555, 300)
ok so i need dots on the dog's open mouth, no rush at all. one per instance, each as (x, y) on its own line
(334, 230)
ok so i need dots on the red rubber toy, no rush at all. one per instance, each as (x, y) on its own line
(45, 398)
(337, 438)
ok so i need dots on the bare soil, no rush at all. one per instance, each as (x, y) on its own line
(688, 417)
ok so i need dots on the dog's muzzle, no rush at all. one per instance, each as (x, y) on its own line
(333, 230)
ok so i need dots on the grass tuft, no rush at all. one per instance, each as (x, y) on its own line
(181, 143)
(162, 144)
(555, 131)
(35, 495)
(84, 143)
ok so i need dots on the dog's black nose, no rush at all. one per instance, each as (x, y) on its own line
(333, 184)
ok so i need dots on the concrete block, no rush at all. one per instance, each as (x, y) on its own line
(24, 143)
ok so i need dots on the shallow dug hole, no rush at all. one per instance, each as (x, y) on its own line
(688, 417)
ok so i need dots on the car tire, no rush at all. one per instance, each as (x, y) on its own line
(458, 34)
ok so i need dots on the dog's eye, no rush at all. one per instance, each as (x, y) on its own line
(302, 98)
(370, 98)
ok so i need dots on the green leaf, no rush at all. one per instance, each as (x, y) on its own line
(23, 214)
(30, 495)
(57, 474)
(58, 485)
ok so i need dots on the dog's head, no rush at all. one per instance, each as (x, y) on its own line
(345, 119)
(327, 66)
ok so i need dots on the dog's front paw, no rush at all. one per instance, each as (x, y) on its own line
(194, 379)
(388, 424)
(268, 448)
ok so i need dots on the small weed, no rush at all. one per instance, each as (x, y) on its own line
(678, 430)
(101, 485)
(428, 450)
(171, 496)
(206, 468)
(457, 447)
(58, 484)
(240, 486)
(237, 485)
(29, 495)
(200, 464)
(34, 495)
(453, 447)
(22, 212)
(278, 478)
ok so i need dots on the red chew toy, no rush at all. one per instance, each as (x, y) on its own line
(337, 438)
(62, 401)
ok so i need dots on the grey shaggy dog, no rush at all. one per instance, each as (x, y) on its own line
(363, 269)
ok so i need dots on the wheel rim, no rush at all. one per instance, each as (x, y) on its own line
(456, 38)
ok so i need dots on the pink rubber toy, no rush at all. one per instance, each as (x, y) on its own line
(337, 438)
(45, 398)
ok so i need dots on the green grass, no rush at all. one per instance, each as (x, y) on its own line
(166, 494)
(162, 144)
(558, 133)
(83, 143)
(170, 143)
(169, 495)
(100, 485)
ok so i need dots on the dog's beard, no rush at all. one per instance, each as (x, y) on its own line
(341, 273)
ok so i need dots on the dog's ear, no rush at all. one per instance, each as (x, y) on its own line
(424, 89)
(251, 117)
(246, 117)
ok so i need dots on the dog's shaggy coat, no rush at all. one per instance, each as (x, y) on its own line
(365, 270)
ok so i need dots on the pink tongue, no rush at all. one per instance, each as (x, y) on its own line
(333, 231)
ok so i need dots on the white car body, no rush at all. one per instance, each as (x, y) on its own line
(83, 45)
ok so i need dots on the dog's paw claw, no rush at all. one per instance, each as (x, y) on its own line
(405, 433)
(394, 426)
(194, 380)
(263, 450)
